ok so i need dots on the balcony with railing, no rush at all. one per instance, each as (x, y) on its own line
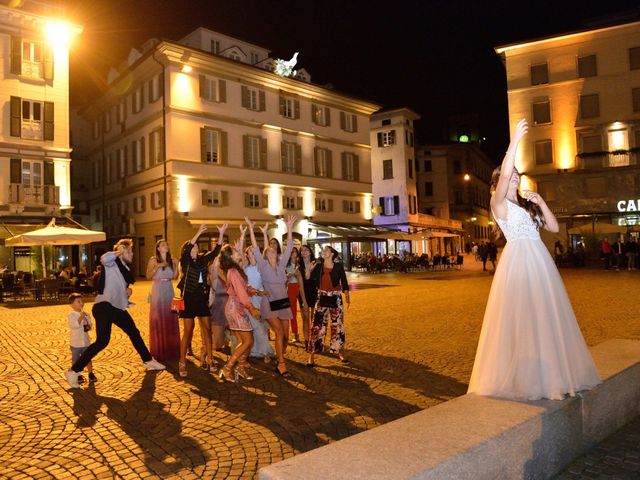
(34, 195)
(619, 158)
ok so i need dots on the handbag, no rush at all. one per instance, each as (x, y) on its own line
(328, 301)
(177, 303)
(280, 304)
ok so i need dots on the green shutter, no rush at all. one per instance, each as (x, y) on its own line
(355, 123)
(16, 55)
(296, 109)
(48, 62)
(203, 145)
(343, 161)
(222, 91)
(204, 197)
(263, 153)
(329, 159)
(283, 156)
(223, 148)
(143, 160)
(343, 121)
(263, 102)
(49, 175)
(265, 200)
(298, 203)
(152, 150)
(327, 116)
(16, 170)
(245, 150)
(48, 121)
(225, 198)
(246, 199)
(298, 159)
(358, 206)
(245, 96)
(356, 168)
(141, 97)
(345, 206)
(282, 105)
(330, 205)
(315, 161)
(203, 91)
(16, 116)
(125, 151)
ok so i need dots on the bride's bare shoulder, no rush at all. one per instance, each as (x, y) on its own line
(499, 207)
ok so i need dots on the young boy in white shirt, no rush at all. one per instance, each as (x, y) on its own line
(79, 326)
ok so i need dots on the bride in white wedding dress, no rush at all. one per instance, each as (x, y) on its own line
(530, 345)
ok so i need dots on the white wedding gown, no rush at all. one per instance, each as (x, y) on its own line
(530, 345)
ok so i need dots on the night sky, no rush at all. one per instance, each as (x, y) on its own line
(435, 57)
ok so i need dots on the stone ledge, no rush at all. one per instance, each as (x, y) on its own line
(474, 437)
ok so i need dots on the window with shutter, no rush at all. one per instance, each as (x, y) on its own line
(634, 58)
(589, 106)
(16, 117)
(289, 107)
(539, 74)
(587, 66)
(543, 152)
(541, 112)
(156, 153)
(252, 98)
(387, 169)
(211, 146)
(635, 101)
(288, 154)
(32, 61)
(387, 138)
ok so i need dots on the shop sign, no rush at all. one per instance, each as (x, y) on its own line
(629, 205)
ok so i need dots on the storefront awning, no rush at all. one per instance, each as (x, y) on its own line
(371, 233)
(597, 228)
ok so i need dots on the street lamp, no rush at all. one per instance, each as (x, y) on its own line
(467, 177)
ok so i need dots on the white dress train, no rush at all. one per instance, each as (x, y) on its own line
(530, 344)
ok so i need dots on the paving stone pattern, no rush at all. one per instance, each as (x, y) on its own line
(411, 347)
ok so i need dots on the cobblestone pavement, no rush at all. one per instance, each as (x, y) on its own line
(412, 346)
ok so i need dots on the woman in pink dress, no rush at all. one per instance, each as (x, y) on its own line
(164, 332)
(530, 345)
(237, 310)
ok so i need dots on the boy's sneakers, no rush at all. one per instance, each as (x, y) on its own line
(92, 377)
(72, 378)
(153, 364)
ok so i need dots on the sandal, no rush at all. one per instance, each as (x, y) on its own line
(286, 372)
(182, 369)
(227, 375)
(242, 372)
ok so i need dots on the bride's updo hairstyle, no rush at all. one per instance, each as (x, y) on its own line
(534, 210)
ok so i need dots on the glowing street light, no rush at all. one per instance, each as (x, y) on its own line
(60, 33)
(467, 177)
(186, 69)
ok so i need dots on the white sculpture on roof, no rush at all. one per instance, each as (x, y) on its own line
(284, 68)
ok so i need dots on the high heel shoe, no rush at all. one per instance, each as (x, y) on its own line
(284, 373)
(226, 375)
(182, 369)
(241, 371)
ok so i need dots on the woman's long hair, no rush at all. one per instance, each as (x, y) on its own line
(535, 212)
(227, 262)
(159, 257)
(297, 257)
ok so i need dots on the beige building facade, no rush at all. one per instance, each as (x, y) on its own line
(205, 124)
(395, 174)
(454, 182)
(580, 93)
(35, 156)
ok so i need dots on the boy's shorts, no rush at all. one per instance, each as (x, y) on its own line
(76, 352)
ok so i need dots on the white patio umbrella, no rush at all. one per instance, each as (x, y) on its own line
(55, 235)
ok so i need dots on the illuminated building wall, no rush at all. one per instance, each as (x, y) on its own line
(580, 93)
(35, 159)
(240, 141)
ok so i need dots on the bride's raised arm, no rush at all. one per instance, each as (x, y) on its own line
(506, 169)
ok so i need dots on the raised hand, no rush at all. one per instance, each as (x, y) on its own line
(533, 197)
(521, 130)
(265, 229)
(237, 245)
(243, 230)
(202, 229)
(291, 219)
(222, 229)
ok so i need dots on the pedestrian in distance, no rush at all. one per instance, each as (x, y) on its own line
(194, 287)
(606, 252)
(110, 308)
(530, 344)
(164, 331)
(631, 251)
(80, 325)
